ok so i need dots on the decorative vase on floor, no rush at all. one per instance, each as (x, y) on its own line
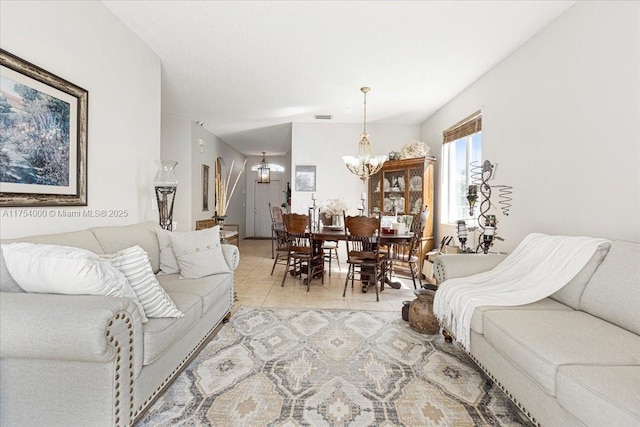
(421, 317)
(166, 185)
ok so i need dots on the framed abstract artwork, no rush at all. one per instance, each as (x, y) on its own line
(305, 178)
(43, 137)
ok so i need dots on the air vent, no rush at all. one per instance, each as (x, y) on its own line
(323, 116)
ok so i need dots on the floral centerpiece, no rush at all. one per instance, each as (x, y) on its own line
(334, 208)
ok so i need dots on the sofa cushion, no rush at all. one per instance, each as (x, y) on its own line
(539, 341)
(168, 261)
(209, 288)
(161, 333)
(76, 239)
(54, 269)
(134, 264)
(477, 320)
(601, 395)
(198, 253)
(117, 238)
(570, 294)
(7, 284)
(613, 293)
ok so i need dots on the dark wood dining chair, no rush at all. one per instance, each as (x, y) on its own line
(406, 253)
(276, 223)
(329, 247)
(363, 254)
(301, 257)
(281, 241)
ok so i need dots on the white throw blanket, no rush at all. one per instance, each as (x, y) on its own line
(538, 267)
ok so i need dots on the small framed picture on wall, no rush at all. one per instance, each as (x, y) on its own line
(305, 178)
(205, 187)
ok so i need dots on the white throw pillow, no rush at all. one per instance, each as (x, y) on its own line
(134, 263)
(168, 261)
(7, 284)
(198, 253)
(57, 269)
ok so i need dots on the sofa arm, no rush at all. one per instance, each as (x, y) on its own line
(231, 255)
(462, 265)
(66, 327)
(77, 352)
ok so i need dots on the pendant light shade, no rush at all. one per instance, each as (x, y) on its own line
(264, 173)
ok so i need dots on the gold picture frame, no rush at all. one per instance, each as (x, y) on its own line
(44, 133)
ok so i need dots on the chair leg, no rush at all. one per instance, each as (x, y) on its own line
(308, 274)
(337, 258)
(286, 270)
(275, 262)
(353, 273)
(417, 273)
(375, 281)
(413, 275)
(346, 281)
(329, 262)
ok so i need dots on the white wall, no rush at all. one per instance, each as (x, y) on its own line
(324, 144)
(180, 142)
(176, 138)
(560, 117)
(86, 44)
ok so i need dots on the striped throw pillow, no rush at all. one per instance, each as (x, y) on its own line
(134, 263)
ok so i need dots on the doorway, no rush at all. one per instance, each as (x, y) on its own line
(263, 195)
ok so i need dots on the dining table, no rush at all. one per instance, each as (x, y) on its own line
(334, 233)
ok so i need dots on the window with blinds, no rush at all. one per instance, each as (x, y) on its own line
(462, 144)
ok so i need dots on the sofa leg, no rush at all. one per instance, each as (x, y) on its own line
(447, 336)
(226, 318)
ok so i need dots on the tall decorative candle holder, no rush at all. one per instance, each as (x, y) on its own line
(462, 233)
(482, 174)
(166, 186)
(313, 213)
(361, 206)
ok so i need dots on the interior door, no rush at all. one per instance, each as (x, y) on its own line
(263, 194)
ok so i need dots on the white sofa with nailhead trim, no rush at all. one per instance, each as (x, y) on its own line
(83, 360)
(572, 359)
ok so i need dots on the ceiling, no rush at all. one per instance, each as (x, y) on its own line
(248, 69)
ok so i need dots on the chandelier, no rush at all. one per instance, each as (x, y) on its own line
(264, 173)
(364, 164)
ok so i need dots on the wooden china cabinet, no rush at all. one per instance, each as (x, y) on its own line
(407, 184)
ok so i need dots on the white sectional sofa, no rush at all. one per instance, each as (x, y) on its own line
(572, 359)
(87, 360)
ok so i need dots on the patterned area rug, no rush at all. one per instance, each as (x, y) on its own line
(295, 367)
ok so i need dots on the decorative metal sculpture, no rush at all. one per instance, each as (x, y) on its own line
(481, 175)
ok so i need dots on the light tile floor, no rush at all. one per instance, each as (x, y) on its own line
(255, 287)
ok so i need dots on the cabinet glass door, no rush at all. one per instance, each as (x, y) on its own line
(394, 191)
(374, 193)
(415, 191)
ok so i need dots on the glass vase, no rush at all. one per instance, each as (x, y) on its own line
(166, 174)
(166, 186)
